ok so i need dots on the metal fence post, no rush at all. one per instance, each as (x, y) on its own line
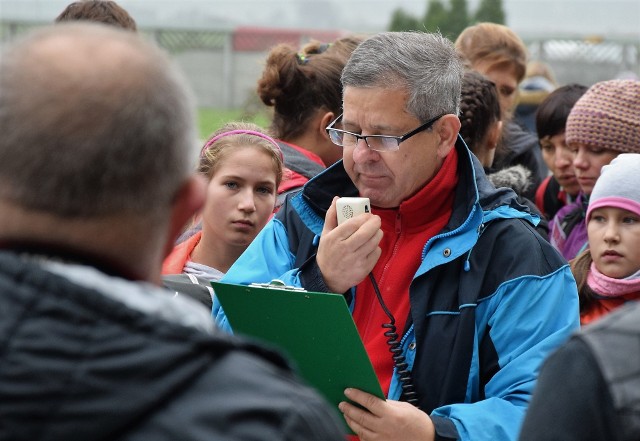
(227, 82)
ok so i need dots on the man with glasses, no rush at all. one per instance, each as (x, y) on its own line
(451, 265)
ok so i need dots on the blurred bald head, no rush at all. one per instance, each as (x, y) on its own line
(98, 147)
(94, 121)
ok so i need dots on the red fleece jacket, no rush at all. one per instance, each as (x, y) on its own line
(406, 230)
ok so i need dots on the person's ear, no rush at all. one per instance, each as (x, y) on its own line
(447, 129)
(493, 136)
(188, 201)
(326, 119)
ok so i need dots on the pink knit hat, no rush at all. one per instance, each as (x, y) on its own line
(618, 185)
(607, 116)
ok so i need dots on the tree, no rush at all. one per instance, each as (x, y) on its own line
(403, 21)
(436, 15)
(450, 17)
(457, 19)
(491, 11)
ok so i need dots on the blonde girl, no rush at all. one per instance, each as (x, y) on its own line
(243, 167)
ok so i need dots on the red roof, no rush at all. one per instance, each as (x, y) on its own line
(257, 39)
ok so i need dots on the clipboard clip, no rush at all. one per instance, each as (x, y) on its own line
(278, 284)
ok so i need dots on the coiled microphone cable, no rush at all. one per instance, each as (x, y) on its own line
(399, 361)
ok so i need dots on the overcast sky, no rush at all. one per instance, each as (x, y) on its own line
(607, 18)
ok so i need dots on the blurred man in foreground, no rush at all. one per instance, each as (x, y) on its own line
(96, 181)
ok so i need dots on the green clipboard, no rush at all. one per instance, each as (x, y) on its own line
(315, 330)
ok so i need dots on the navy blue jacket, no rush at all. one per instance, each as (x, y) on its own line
(489, 301)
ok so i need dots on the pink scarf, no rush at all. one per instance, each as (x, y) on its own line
(610, 287)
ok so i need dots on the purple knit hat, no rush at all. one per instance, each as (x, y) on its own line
(607, 116)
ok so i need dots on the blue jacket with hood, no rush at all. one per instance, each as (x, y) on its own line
(490, 300)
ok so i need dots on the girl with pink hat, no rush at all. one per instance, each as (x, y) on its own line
(608, 273)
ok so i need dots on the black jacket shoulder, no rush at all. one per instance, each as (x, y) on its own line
(99, 369)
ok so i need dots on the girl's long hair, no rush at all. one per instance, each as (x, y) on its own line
(580, 267)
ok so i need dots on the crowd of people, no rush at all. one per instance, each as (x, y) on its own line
(494, 282)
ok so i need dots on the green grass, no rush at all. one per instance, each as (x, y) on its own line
(210, 120)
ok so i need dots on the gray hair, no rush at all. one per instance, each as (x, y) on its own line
(423, 64)
(95, 121)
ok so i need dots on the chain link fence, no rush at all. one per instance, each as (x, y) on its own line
(224, 66)
(588, 61)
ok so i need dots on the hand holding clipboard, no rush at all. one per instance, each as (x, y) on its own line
(315, 330)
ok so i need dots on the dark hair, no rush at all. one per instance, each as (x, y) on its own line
(479, 108)
(102, 11)
(297, 84)
(580, 267)
(553, 111)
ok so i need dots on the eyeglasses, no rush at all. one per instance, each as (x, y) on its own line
(379, 143)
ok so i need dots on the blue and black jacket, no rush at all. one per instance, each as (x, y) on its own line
(489, 301)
